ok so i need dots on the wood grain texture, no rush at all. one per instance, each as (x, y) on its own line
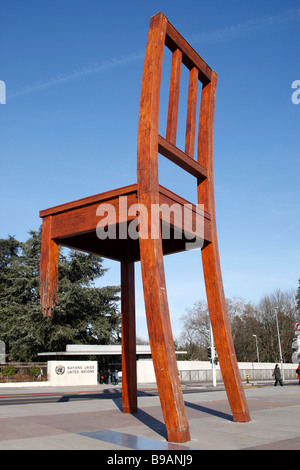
(129, 378)
(174, 97)
(212, 268)
(155, 294)
(48, 288)
(191, 113)
(182, 159)
(190, 58)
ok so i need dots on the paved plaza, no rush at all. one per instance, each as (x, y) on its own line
(90, 418)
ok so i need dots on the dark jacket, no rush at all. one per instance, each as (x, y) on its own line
(277, 373)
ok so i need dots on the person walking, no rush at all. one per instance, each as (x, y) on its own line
(116, 377)
(277, 375)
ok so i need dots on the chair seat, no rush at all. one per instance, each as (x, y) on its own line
(76, 224)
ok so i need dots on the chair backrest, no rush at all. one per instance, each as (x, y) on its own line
(162, 34)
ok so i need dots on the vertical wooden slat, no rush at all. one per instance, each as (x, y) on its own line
(174, 97)
(129, 378)
(191, 112)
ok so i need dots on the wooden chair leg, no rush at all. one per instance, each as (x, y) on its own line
(222, 334)
(161, 341)
(48, 270)
(129, 378)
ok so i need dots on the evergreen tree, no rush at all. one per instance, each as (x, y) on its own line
(85, 314)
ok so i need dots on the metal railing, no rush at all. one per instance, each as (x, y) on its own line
(202, 376)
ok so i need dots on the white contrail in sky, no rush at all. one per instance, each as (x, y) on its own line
(250, 27)
(78, 73)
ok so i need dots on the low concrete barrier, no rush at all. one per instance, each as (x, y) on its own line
(201, 371)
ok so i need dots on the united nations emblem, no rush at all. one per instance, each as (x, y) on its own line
(60, 370)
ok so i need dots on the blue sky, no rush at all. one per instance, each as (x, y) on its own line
(73, 72)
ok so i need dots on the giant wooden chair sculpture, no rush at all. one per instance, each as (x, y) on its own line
(75, 225)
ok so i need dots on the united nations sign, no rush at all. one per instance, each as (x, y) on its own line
(72, 372)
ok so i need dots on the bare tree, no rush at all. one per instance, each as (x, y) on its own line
(246, 320)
